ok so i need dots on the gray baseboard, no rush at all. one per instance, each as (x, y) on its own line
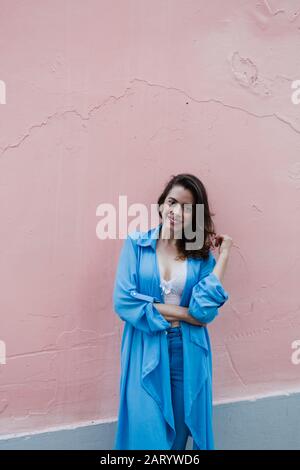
(268, 423)
(271, 423)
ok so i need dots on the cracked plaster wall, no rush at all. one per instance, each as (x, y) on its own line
(101, 97)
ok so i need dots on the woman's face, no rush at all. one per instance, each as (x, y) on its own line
(176, 211)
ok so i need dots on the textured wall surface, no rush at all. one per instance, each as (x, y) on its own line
(109, 97)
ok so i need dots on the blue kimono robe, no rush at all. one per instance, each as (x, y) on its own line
(145, 417)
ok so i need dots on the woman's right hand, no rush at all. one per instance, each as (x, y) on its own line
(173, 312)
(194, 321)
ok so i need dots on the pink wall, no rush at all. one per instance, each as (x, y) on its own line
(112, 97)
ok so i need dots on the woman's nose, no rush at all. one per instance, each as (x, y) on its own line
(177, 210)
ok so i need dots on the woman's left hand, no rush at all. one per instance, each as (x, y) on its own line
(224, 242)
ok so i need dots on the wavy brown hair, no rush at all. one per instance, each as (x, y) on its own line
(197, 188)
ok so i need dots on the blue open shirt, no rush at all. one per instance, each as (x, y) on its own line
(145, 418)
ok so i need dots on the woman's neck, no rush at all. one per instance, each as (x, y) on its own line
(166, 237)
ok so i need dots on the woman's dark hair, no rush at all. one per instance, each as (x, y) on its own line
(193, 184)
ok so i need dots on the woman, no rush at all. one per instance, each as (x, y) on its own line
(167, 294)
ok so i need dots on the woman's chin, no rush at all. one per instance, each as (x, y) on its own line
(173, 227)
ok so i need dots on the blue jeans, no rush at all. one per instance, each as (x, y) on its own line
(175, 347)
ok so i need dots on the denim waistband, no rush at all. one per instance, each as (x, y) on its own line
(174, 330)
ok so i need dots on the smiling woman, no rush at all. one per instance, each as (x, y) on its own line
(166, 364)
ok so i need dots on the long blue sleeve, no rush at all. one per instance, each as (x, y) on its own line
(129, 304)
(208, 294)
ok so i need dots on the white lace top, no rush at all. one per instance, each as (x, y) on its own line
(172, 289)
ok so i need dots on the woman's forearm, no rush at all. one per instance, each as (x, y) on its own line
(173, 312)
(220, 267)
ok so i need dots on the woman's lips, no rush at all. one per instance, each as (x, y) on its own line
(172, 220)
